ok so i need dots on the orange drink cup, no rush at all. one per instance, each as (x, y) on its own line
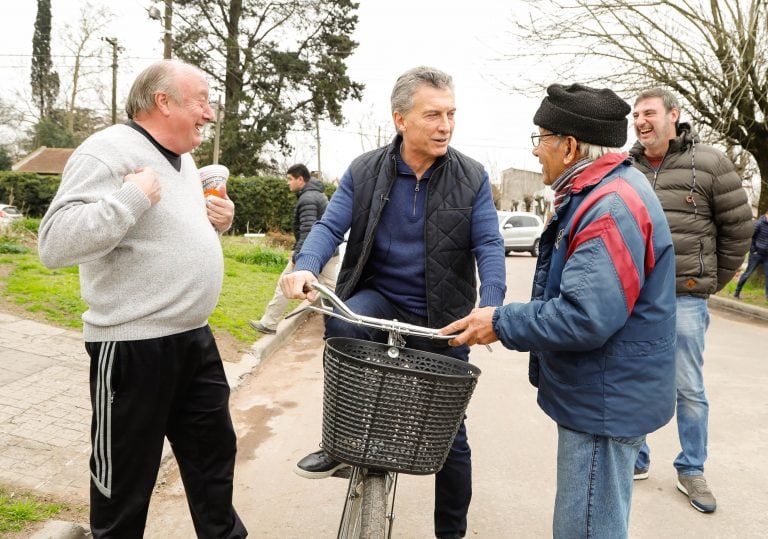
(213, 178)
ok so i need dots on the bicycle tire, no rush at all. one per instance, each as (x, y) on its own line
(373, 513)
(365, 509)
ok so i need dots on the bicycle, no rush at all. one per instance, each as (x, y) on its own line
(387, 409)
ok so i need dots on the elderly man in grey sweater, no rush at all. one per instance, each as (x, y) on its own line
(130, 211)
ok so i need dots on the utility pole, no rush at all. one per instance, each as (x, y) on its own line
(167, 35)
(113, 41)
(317, 140)
(217, 132)
(166, 19)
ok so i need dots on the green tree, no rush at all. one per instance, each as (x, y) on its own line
(48, 132)
(713, 53)
(44, 80)
(281, 66)
(5, 159)
(53, 130)
(82, 43)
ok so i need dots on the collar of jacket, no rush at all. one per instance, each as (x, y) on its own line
(393, 153)
(599, 169)
(685, 137)
(312, 185)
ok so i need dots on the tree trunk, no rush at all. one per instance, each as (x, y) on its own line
(761, 156)
(73, 98)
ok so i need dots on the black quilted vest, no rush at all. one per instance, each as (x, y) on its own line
(450, 265)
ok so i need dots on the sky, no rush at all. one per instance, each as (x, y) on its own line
(492, 125)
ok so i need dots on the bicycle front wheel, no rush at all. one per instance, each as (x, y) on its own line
(365, 509)
(373, 517)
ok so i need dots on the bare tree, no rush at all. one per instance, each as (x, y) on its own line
(374, 132)
(86, 49)
(713, 53)
(12, 124)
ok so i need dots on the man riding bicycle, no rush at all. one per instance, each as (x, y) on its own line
(421, 222)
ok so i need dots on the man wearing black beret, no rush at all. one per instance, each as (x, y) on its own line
(601, 323)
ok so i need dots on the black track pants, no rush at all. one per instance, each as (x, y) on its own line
(141, 392)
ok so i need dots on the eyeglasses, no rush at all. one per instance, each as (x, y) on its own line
(536, 138)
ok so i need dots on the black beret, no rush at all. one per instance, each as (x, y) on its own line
(595, 116)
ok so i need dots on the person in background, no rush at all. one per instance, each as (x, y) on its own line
(758, 254)
(421, 222)
(600, 324)
(310, 206)
(130, 211)
(710, 219)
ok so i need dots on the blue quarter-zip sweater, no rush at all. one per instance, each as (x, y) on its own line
(398, 252)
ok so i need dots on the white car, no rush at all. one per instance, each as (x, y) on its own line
(521, 231)
(8, 214)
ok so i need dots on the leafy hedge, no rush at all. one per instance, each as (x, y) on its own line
(262, 203)
(31, 193)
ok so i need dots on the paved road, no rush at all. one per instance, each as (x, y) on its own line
(278, 409)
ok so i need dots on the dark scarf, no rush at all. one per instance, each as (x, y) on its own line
(562, 185)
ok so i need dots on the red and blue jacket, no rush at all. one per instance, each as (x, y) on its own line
(601, 322)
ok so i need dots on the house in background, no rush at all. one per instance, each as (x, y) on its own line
(522, 190)
(44, 160)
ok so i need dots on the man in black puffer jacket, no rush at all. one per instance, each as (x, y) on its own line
(711, 222)
(758, 254)
(310, 207)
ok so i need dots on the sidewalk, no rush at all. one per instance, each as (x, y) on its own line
(45, 410)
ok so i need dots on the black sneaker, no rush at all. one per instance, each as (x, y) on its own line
(640, 473)
(318, 465)
(258, 326)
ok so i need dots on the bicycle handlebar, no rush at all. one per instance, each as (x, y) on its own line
(395, 328)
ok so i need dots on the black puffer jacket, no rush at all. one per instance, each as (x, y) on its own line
(309, 208)
(760, 236)
(706, 208)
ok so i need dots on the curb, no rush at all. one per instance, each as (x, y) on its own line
(266, 346)
(737, 307)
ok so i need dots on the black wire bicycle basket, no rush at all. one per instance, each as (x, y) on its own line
(392, 413)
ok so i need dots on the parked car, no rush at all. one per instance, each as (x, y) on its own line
(521, 231)
(8, 214)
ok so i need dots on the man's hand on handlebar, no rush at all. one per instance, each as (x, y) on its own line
(296, 285)
(476, 328)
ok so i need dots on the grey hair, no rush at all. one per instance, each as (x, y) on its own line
(158, 77)
(593, 151)
(409, 82)
(667, 98)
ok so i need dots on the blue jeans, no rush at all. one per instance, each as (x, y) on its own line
(453, 483)
(754, 261)
(594, 485)
(692, 404)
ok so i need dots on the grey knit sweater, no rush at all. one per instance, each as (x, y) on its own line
(145, 272)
